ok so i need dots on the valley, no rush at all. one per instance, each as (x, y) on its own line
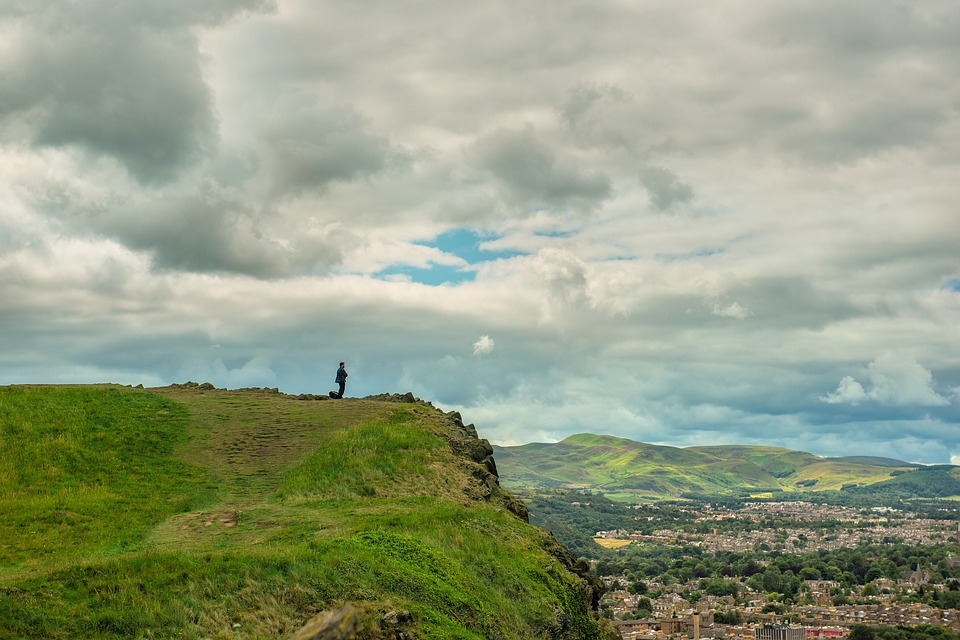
(740, 564)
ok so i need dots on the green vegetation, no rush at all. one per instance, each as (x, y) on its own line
(634, 471)
(927, 482)
(215, 514)
(920, 632)
(75, 467)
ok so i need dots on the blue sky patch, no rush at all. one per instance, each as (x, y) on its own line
(463, 243)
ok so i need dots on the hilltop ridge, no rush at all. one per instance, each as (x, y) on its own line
(196, 512)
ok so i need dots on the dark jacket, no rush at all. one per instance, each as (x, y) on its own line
(341, 375)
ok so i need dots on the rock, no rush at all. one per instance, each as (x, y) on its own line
(311, 396)
(333, 624)
(407, 397)
(576, 566)
(395, 621)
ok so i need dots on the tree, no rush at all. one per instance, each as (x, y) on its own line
(809, 573)
(873, 573)
(949, 599)
(862, 632)
(644, 607)
(638, 587)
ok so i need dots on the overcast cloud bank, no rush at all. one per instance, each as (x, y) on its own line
(664, 221)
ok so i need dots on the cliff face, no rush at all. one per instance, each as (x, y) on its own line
(477, 454)
(466, 443)
(205, 513)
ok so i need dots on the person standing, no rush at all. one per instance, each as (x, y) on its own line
(341, 379)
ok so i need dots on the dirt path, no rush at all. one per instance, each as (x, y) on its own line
(250, 439)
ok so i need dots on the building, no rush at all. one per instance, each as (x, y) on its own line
(779, 632)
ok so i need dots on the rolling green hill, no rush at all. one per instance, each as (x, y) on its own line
(634, 470)
(874, 461)
(204, 513)
(941, 481)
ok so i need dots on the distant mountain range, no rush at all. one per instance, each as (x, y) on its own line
(624, 468)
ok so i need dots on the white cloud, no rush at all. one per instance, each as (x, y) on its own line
(483, 346)
(732, 310)
(849, 391)
(899, 380)
(894, 380)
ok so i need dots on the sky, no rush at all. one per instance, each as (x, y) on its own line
(678, 222)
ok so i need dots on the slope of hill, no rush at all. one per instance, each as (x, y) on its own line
(203, 513)
(941, 481)
(634, 470)
(875, 461)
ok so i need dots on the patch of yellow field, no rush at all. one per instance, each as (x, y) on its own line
(609, 543)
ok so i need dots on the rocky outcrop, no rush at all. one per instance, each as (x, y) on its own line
(407, 398)
(478, 452)
(334, 624)
(346, 623)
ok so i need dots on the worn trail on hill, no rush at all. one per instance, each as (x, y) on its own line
(247, 442)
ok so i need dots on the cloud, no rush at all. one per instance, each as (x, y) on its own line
(899, 380)
(179, 175)
(563, 280)
(307, 145)
(732, 310)
(483, 346)
(215, 229)
(894, 381)
(533, 176)
(591, 112)
(114, 81)
(849, 391)
(665, 188)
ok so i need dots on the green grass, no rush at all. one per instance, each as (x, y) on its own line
(463, 572)
(384, 456)
(88, 472)
(232, 515)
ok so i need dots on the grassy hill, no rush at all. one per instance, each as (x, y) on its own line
(192, 513)
(941, 481)
(634, 470)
